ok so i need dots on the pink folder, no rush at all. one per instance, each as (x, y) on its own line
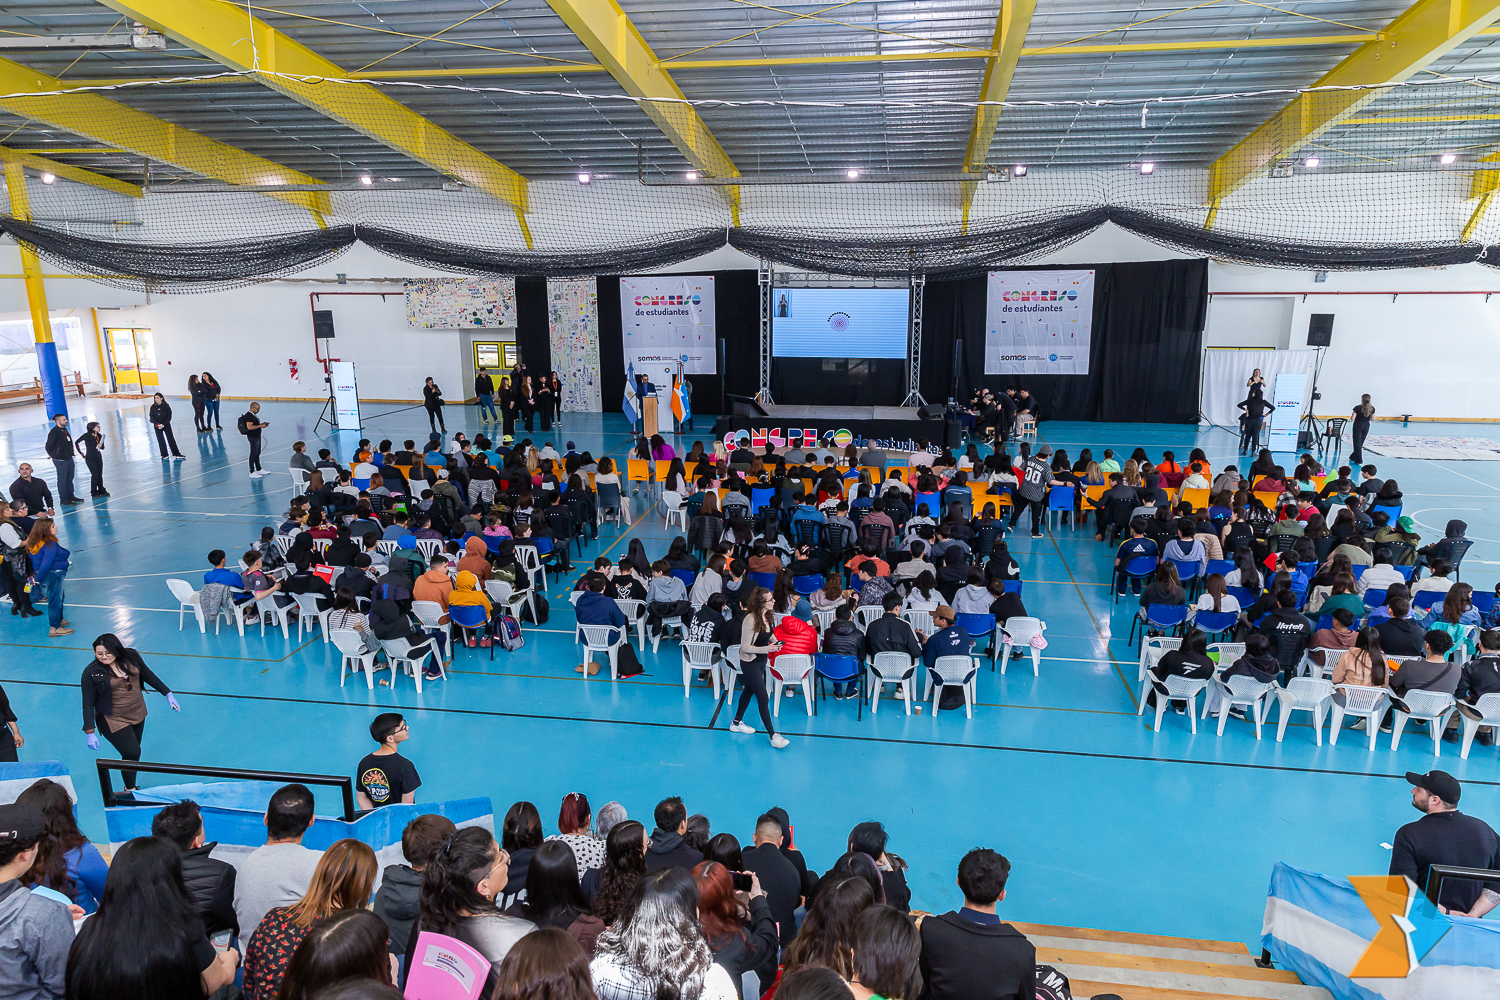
(444, 968)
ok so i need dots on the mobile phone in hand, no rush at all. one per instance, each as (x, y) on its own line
(743, 881)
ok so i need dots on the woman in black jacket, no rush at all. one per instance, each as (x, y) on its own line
(160, 416)
(545, 400)
(432, 401)
(114, 699)
(557, 400)
(508, 407)
(90, 444)
(741, 941)
(1165, 589)
(199, 394)
(1190, 661)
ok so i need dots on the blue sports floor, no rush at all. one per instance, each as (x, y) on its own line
(1106, 824)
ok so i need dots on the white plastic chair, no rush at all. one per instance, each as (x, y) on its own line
(921, 621)
(954, 671)
(284, 543)
(1244, 691)
(1179, 689)
(503, 595)
(1310, 667)
(1152, 650)
(1368, 703)
(729, 670)
(1018, 632)
(595, 639)
(790, 669)
(386, 546)
(403, 655)
(430, 614)
(299, 480)
(1432, 707)
(674, 508)
(187, 599)
(890, 668)
(531, 562)
(321, 544)
(698, 656)
(867, 614)
(674, 622)
(429, 547)
(822, 619)
(308, 614)
(1228, 653)
(268, 608)
(355, 656)
(1304, 694)
(1488, 707)
(635, 614)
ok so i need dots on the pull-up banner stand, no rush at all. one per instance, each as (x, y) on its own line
(1287, 415)
(345, 395)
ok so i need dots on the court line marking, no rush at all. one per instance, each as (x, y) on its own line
(997, 747)
(1129, 690)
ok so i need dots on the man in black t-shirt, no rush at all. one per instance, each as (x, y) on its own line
(1031, 492)
(385, 776)
(251, 425)
(778, 876)
(1133, 547)
(1445, 836)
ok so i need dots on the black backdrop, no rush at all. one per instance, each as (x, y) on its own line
(1146, 344)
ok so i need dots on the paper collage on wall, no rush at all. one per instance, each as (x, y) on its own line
(573, 334)
(457, 303)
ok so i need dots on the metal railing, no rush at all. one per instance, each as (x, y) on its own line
(344, 783)
(1437, 873)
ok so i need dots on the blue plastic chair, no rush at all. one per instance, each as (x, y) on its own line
(471, 618)
(1359, 571)
(809, 583)
(1324, 621)
(1392, 512)
(929, 501)
(979, 627)
(1139, 568)
(1374, 599)
(1428, 599)
(1187, 574)
(1224, 566)
(759, 497)
(492, 542)
(841, 669)
(1216, 622)
(1244, 595)
(1484, 603)
(1060, 500)
(767, 580)
(1405, 571)
(687, 577)
(1014, 586)
(1162, 616)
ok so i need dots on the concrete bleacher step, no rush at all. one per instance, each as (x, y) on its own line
(1152, 967)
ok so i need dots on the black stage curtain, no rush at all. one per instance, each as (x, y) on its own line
(1146, 344)
(737, 317)
(533, 341)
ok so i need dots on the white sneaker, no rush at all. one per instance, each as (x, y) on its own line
(780, 742)
(740, 727)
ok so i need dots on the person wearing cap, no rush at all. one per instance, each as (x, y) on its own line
(1031, 492)
(36, 929)
(947, 638)
(1445, 836)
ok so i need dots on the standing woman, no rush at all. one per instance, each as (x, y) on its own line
(527, 401)
(544, 402)
(557, 395)
(211, 392)
(114, 699)
(15, 565)
(49, 565)
(432, 400)
(508, 407)
(1256, 384)
(756, 641)
(1362, 414)
(197, 391)
(90, 444)
(160, 416)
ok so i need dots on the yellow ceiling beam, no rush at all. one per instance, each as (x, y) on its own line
(113, 124)
(999, 70)
(223, 32)
(1426, 31)
(68, 173)
(613, 39)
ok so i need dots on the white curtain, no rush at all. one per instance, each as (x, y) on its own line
(1227, 369)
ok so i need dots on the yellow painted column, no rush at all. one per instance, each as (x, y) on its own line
(53, 391)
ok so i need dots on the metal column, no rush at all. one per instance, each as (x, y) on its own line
(914, 396)
(53, 391)
(766, 275)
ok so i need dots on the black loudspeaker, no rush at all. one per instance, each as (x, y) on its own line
(1305, 440)
(932, 411)
(1319, 329)
(953, 434)
(323, 324)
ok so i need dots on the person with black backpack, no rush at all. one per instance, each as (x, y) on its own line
(251, 425)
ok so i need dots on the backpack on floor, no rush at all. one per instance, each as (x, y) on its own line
(1053, 985)
(543, 609)
(508, 630)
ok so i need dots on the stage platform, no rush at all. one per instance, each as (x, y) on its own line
(879, 423)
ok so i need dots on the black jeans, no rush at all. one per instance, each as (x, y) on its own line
(753, 674)
(127, 742)
(95, 462)
(167, 442)
(1038, 513)
(254, 451)
(1357, 454)
(1250, 436)
(435, 418)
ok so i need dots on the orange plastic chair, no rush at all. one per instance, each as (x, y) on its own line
(637, 470)
(1197, 497)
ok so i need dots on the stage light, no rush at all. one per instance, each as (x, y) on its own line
(1147, 168)
(366, 180)
(1311, 163)
(1019, 170)
(852, 174)
(692, 175)
(584, 178)
(1447, 158)
(48, 178)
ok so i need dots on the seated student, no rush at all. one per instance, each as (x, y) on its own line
(1340, 634)
(342, 551)
(947, 638)
(370, 546)
(356, 578)
(1197, 478)
(467, 592)
(1165, 588)
(435, 585)
(1216, 596)
(594, 608)
(872, 586)
(1259, 662)
(969, 953)
(868, 553)
(1480, 677)
(974, 598)
(1364, 663)
(346, 614)
(219, 574)
(1400, 635)
(708, 582)
(915, 566)
(945, 542)
(843, 638)
(1290, 563)
(1396, 591)
(1186, 547)
(400, 522)
(1004, 605)
(712, 624)
(325, 461)
(1438, 582)
(1434, 672)
(1136, 546)
(1381, 575)
(1190, 660)
(1288, 631)
(259, 583)
(952, 574)
(425, 529)
(304, 581)
(666, 596)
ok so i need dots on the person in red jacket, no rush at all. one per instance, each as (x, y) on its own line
(797, 636)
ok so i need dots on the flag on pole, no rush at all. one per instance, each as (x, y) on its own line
(631, 408)
(682, 408)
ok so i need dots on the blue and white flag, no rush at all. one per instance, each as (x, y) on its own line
(682, 406)
(631, 408)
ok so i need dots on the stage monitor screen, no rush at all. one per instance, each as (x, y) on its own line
(839, 322)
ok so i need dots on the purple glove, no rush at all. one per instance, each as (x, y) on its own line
(172, 700)
(92, 739)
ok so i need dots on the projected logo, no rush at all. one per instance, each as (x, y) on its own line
(1053, 295)
(838, 322)
(795, 437)
(667, 300)
(1410, 926)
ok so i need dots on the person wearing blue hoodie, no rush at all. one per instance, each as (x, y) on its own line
(49, 565)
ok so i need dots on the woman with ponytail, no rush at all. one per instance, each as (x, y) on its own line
(459, 886)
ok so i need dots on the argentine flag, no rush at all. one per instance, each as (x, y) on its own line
(681, 406)
(630, 407)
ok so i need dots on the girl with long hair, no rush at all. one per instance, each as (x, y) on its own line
(90, 444)
(349, 944)
(657, 948)
(546, 964)
(114, 703)
(526, 400)
(742, 937)
(66, 862)
(520, 836)
(887, 956)
(146, 940)
(49, 568)
(624, 866)
(197, 392)
(211, 393)
(553, 898)
(826, 937)
(1364, 665)
(756, 643)
(432, 402)
(459, 886)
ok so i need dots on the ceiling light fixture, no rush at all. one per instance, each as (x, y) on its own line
(852, 174)
(1311, 163)
(366, 180)
(1147, 168)
(692, 175)
(1447, 158)
(1019, 170)
(48, 178)
(584, 178)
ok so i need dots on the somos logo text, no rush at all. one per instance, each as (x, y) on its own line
(667, 300)
(1059, 295)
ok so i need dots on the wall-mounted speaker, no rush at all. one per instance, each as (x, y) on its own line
(1319, 329)
(323, 324)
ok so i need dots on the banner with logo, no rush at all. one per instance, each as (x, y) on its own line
(1374, 936)
(667, 320)
(1038, 322)
(1286, 397)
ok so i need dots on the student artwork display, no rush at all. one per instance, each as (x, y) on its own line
(573, 335)
(1038, 322)
(455, 303)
